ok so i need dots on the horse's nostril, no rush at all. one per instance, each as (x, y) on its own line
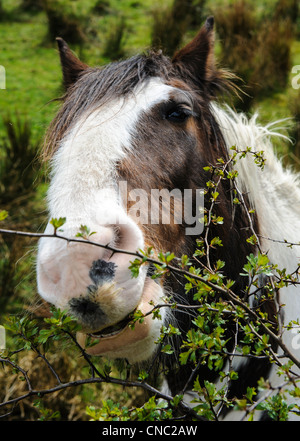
(87, 312)
(102, 271)
(86, 308)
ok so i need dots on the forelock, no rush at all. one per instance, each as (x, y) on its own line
(98, 86)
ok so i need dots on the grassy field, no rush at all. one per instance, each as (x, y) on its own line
(33, 76)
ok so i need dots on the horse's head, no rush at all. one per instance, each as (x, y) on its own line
(126, 135)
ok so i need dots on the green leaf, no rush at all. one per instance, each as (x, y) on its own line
(214, 195)
(216, 241)
(176, 400)
(250, 393)
(183, 357)
(57, 223)
(85, 232)
(252, 240)
(3, 215)
(135, 267)
(233, 375)
(167, 349)
(143, 375)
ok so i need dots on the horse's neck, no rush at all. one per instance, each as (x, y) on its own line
(273, 192)
(275, 195)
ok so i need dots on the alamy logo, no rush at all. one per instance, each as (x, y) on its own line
(2, 338)
(296, 78)
(296, 338)
(181, 207)
(2, 77)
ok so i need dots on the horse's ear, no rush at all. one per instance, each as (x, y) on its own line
(72, 67)
(196, 60)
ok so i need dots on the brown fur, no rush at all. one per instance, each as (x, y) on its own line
(167, 155)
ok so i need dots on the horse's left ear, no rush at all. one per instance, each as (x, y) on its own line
(72, 67)
(196, 60)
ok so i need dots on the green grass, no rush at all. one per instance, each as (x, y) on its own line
(33, 75)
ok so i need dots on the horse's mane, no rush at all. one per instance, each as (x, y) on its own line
(273, 190)
(97, 86)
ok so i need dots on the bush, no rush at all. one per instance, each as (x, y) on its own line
(19, 172)
(219, 314)
(171, 23)
(287, 9)
(257, 50)
(31, 6)
(114, 43)
(63, 23)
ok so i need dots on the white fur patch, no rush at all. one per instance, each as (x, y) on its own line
(84, 166)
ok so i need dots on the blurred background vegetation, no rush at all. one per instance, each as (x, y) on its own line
(257, 39)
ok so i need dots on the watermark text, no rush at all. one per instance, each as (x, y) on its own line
(296, 78)
(2, 77)
(166, 207)
(2, 338)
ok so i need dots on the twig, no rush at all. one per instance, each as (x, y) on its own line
(226, 292)
(209, 215)
(61, 386)
(284, 241)
(271, 390)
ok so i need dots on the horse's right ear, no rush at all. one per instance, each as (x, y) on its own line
(72, 67)
(195, 62)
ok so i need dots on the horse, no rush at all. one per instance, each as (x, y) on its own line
(147, 125)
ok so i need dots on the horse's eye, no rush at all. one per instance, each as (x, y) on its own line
(178, 115)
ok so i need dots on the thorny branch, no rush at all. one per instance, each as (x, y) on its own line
(209, 214)
(100, 379)
(223, 290)
(227, 292)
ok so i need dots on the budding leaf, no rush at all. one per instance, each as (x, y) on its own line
(3, 215)
(57, 223)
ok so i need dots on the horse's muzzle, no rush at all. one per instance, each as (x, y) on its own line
(94, 284)
(90, 281)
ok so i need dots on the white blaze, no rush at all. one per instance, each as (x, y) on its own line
(84, 190)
